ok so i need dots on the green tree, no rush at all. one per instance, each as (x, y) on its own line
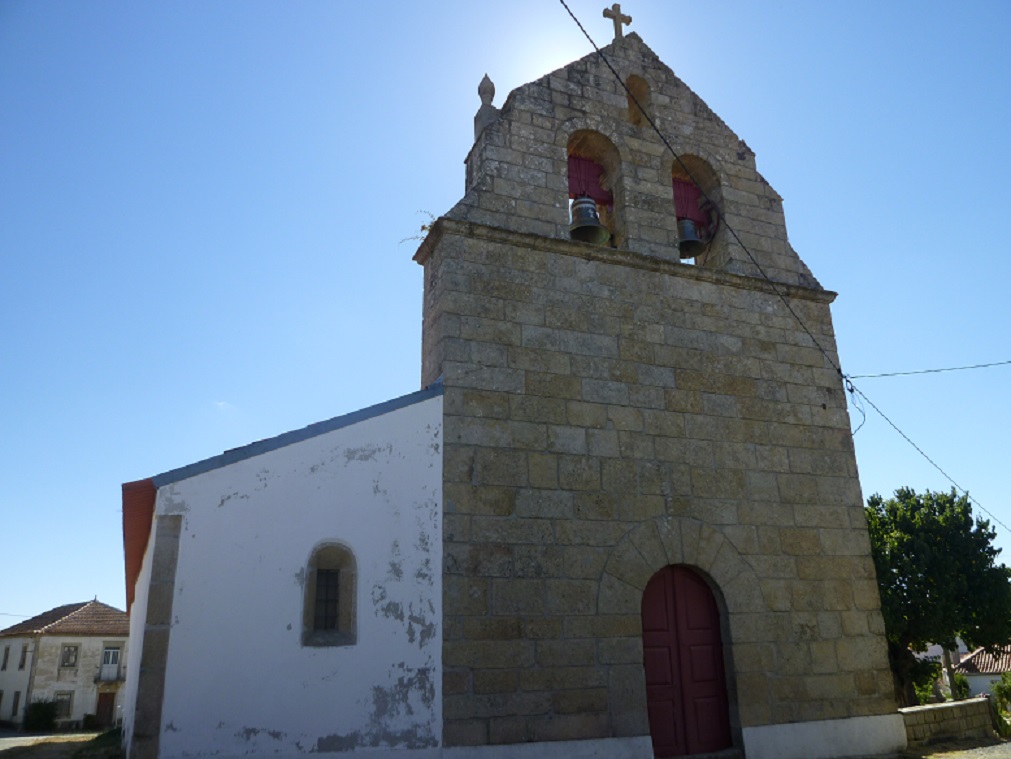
(938, 576)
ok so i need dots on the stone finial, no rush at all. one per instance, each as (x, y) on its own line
(486, 90)
(614, 13)
(487, 113)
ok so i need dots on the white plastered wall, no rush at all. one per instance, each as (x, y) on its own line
(827, 739)
(238, 681)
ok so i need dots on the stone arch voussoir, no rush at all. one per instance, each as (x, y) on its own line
(665, 540)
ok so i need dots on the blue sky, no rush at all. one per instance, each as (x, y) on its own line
(202, 207)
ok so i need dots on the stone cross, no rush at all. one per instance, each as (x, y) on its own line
(614, 13)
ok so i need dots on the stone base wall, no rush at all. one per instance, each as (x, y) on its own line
(955, 719)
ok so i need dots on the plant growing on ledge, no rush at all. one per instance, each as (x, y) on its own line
(938, 577)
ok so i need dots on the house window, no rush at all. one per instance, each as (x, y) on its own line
(68, 657)
(327, 599)
(110, 664)
(1, 699)
(64, 704)
(17, 703)
(7, 655)
(24, 656)
(328, 612)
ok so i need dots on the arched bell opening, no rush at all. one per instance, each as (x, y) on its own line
(697, 198)
(595, 194)
(689, 684)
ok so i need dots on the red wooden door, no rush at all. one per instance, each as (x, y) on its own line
(104, 710)
(686, 693)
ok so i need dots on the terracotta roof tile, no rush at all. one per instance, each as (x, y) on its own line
(86, 618)
(979, 662)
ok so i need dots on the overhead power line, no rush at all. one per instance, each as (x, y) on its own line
(929, 371)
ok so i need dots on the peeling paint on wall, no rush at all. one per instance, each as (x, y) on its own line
(366, 452)
(226, 498)
(390, 703)
(251, 732)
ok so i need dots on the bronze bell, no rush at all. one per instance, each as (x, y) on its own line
(586, 226)
(688, 239)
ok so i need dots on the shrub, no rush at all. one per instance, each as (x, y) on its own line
(960, 688)
(40, 716)
(1002, 691)
(997, 718)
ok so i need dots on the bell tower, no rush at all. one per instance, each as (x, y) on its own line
(642, 440)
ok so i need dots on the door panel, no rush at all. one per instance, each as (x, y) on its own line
(105, 709)
(686, 693)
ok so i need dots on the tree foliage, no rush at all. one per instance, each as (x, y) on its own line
(938, 575)
(40, 716)
(1002, 691)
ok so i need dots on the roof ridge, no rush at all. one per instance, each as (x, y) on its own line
(84, 605)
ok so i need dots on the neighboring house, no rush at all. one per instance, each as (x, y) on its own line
(983, 669)
(74, 655)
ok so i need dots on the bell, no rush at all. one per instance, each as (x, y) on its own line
(586, 226)
(688, 239)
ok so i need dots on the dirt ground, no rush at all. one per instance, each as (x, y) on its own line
(70, 746)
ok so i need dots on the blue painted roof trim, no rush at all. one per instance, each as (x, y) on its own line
(296, 436)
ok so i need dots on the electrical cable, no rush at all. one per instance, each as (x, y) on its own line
(933, 463)
(853, 389)
(929, 371)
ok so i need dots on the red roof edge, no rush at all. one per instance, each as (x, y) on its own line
(138, 514)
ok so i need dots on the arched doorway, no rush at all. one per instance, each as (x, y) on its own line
(686, 690)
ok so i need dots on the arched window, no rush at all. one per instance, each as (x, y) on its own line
(329, 609)
(594, 169)
(696, 197)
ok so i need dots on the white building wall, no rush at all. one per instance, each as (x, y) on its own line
(14, 679)
(238, 679)
(980, 684)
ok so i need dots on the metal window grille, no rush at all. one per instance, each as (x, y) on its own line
(64, 705)
(327, 599)
(69, 656)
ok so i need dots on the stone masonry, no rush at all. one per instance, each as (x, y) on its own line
(610, 410)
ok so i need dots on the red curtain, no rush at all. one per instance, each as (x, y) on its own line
(686, 202)
(584, 179)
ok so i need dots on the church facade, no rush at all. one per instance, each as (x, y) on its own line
(626, 518)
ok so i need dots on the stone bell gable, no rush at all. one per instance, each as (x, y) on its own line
(614, 418)
(516, 171)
